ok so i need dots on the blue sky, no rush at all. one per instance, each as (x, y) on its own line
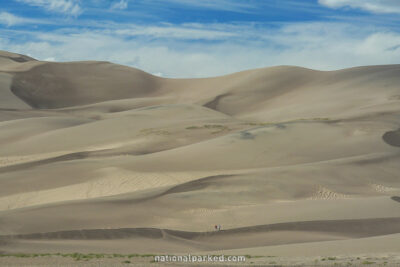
(200, 38)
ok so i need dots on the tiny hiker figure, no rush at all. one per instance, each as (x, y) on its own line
(216, 227)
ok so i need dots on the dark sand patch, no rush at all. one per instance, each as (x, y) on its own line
(351, 228)
(58, 85)
(396, 198)
(214, 103)
(392, 138)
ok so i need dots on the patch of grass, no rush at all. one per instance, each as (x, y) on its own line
(219, 128)
(311, 119)
(98, 256)
(256, 256)
(77, 256)
(21, 255)
(126, 262)
(152, 131)
(260, 123)
(331, 258)
(368, 262)
(147, 255)
(26, 255)
(284, 122)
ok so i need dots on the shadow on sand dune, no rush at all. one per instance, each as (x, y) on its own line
(392, 138)
(396, 198)
(341, 228)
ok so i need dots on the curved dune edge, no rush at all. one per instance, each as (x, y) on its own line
(116, 183)
(287, 233)
(17, 161)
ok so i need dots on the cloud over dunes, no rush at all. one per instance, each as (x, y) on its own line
(224, 48)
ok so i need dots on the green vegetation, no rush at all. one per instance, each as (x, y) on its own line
(368, 262)
(147, 255)
(127, 258)
(77, 256)
(285, 122)
(254, 257)
(152, 131)
(219, 128)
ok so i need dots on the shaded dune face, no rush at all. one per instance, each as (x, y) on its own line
(352, 228)
(95, 154)
(15, 57)
(55, 85)
(392, 138)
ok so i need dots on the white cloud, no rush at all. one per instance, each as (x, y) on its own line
(375, 6)
(184, 31)
(324, 46)
(10, 19)
(122, 4)
(70, 7)
(229, 5)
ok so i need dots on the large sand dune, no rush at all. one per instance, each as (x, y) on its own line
(102, 157)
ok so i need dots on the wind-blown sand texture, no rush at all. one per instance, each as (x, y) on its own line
(98, 157)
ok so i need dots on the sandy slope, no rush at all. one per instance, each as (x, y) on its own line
(280, 157)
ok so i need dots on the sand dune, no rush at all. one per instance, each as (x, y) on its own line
(229, 239)
(102, 157)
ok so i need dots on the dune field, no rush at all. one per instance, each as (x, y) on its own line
(291, 162)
